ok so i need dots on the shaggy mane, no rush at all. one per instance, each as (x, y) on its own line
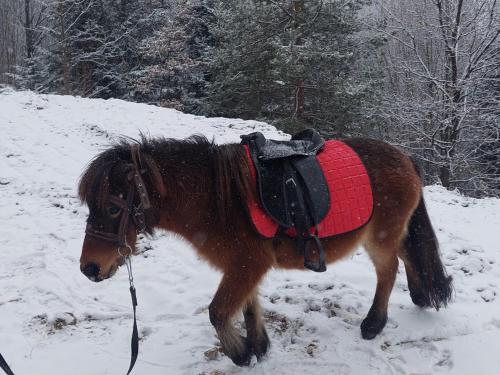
(194, 156)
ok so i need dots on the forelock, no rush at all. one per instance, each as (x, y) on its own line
(94, 185)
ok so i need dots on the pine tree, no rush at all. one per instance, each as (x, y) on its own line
(290, 62)
(172, 71)
(91, 47)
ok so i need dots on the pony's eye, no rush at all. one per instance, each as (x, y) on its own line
(114, 211)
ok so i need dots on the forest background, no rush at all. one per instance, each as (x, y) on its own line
(423, 75)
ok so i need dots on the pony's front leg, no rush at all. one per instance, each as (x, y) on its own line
(235, 289)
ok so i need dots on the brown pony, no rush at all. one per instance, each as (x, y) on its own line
(199, 190)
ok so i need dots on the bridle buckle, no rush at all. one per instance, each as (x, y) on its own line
(126, 247)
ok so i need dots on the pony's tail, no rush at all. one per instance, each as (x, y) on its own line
(422, 250)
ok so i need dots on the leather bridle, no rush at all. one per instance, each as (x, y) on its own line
(129, 212)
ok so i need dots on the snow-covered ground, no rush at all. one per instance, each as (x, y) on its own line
(54, 321)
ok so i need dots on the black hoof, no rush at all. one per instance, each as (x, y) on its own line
(419, 299)
(261, 347)
(244, 357)
(372, 326)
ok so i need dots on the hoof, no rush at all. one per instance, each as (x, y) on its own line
(372, 326)
(261, 347)
(244, 357)
(419, 299)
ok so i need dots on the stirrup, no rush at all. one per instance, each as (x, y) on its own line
(320, 266)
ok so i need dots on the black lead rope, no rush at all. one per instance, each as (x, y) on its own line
(134, 344)
(5, 366)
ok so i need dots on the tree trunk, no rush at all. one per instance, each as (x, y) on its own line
(296, 40)
(444, 176)
(453, 100)
(28, 29)
(65, 55)
(299, 100)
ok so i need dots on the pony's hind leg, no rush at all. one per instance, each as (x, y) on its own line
(417, 292)
(386, 266)
(256, 331)
(235, 289)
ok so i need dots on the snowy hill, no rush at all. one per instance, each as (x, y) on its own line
(54, 321)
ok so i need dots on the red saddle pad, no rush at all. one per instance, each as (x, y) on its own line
(351, 200)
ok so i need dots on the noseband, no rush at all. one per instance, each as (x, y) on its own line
(128, 210)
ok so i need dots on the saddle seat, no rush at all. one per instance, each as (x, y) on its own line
(284, 167)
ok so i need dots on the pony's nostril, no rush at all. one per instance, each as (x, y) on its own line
(91, 270)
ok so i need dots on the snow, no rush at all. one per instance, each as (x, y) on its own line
(55, 321)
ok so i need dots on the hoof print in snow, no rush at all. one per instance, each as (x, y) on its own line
(273, 298)
(277, 322)
(487, 294)
(59, 323)
(445, 363)
(474, 266)
(330, 307)
(40, 320)
(217, 372)
(385, 346)
(97, 130)
(320, 287)
(54, 324)
(312, 306)
(311, 349)
(291, 300)
(213, 372)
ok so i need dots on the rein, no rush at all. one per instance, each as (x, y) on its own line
(134, 342)
(136, 214)
(4, 366)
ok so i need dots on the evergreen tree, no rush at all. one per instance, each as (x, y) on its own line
(92, 46)
(290, 62)
(172, 71)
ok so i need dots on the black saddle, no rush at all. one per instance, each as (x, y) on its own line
(291, 186)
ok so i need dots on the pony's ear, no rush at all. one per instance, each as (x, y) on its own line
(154, 174)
